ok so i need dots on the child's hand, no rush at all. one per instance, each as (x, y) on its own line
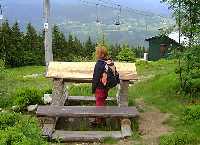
(104, 79)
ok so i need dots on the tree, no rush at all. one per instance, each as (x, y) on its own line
(89, 48)
(58, 44)
(15, 51)
(187, 14)
(127, 55)
(4, 41)
(114, 50)
(190, 71)
(78, 46)
(32, 47)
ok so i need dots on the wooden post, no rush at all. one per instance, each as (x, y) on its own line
(58, 98)
(123, 93)
(123, 101)
(48, 33)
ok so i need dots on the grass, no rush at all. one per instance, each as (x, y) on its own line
(161, 91)
(158, 88)
(15, 79)
(110, 140)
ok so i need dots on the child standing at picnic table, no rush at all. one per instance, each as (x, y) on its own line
(100, 79)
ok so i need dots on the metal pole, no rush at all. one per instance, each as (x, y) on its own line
(179, 22)
(1, 25)
(48, 33)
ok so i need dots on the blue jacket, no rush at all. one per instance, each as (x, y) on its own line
(98, 71)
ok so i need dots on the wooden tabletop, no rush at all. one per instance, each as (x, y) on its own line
(83, 71)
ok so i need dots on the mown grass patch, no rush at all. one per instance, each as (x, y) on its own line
(18, 78)
(146, 68)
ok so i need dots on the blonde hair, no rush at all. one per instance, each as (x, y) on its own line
(101, 52)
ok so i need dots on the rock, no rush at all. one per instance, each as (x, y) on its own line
(47, 98)
(33, 76)
(32, 108)
(4, 111)
(14, 108)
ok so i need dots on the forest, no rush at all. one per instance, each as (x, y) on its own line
(27, 48)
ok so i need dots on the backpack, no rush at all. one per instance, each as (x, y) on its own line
(110, 76)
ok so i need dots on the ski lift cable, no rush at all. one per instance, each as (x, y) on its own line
(124, 8)
(131, 9)
(107, 4)
(112, 7)
(94, 3)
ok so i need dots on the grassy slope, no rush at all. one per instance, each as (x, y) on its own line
(160, 88)
(161, 91)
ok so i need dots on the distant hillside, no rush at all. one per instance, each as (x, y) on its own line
(79, 19)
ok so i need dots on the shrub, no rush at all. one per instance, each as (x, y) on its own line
(189, 71)
(28, 96)
(8, 120)
(191, 113)
(17, 129)
(179, 138)
(2, 69)
(127, 55)
(80, 59)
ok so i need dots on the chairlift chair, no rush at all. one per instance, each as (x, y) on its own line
(1, 12)
(117, 22)
(97, 13)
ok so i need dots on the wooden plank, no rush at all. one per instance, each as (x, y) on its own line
(76, 80)
(84, 70)
(86, 111)
(83, 136)
(87, 98)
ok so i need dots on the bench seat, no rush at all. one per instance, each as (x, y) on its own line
(87, 111)
(70, 136)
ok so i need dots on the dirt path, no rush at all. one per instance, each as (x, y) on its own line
(152, 124)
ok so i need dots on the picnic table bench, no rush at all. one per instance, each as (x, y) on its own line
(82, 72)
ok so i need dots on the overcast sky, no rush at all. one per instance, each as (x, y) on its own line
(148, 5)
(152, 5)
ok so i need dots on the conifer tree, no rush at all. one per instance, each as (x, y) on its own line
(15, 55)
(58, 44)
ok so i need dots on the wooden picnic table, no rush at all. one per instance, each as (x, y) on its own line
(82, 72)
